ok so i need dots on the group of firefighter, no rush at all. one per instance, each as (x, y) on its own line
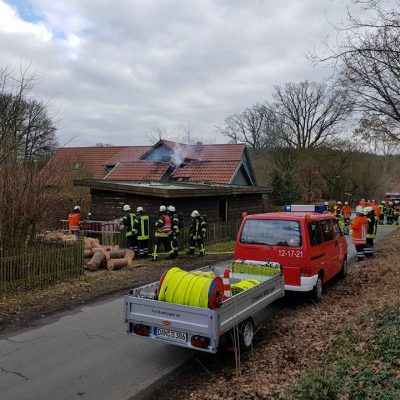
(364, 226)
(168, 228)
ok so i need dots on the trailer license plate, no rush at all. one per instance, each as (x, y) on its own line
(174, 335)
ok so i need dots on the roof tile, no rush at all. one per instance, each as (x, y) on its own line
(131, 153)
(92, 158)
(207, 171)
(139, 171)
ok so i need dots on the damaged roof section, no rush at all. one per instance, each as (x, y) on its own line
(206, 171)
(140, 171)
(165, 160)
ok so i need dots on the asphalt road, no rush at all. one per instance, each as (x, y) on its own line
(86, 354)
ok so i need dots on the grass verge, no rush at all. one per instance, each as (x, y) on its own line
(221, 247)
(364, 363)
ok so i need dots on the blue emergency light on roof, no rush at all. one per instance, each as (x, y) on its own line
(318, 208)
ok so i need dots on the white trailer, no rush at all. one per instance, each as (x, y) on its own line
(195, 327)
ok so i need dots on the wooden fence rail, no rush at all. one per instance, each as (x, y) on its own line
(40, 264)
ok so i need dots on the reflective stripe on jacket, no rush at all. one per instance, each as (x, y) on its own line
(129, 221)
(372, 226)
(346, 211)
(359, 228)
(163, 226)
(73, 221)
(175, 224)
(142, 225)
(198, 228)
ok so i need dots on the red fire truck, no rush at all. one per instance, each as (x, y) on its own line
(391, 196)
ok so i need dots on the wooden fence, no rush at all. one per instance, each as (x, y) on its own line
(217, 232)
(43, 263)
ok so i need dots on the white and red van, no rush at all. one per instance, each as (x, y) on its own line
(307, 243)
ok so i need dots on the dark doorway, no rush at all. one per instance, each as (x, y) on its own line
(223, 210)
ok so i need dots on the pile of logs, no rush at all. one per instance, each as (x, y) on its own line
(110, 257)
(57, 236)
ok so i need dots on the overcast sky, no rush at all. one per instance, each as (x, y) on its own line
(116, 69)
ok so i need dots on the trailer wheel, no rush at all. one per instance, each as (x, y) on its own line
(316, 293)
(345, 269)
(246, 334)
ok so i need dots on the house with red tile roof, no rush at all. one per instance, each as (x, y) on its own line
(166, 160)
(217, 179)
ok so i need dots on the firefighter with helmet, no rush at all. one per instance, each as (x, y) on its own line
(337, 210)
(198, 230)
(359, 228)
(346, 212)
(326, 207)
(162, 235)
(176, 229)
(382, 208)
(372, 220)
(74, 219)
(396, 211)
(389, 213)
(128, 222)
(142, 227)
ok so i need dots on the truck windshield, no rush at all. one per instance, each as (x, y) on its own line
(271, 232)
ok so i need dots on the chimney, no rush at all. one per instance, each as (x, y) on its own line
(198, 147)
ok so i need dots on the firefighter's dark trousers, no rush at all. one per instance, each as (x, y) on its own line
(161, 241)
(360, 251)
(143, 245)
(200, 243)
(174, 243)
(131, 242)
(369, 247)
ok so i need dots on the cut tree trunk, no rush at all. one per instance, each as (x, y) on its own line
(116, 264)
(87, 253)
(117, 254)
(96, 261)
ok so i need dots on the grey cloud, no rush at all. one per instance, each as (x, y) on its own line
(167, 62)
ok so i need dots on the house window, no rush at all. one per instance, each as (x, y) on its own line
(223, 210)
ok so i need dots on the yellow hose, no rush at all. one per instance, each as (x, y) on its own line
(243, 285)
(185, 288)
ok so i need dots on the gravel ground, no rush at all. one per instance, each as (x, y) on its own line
(296, 340)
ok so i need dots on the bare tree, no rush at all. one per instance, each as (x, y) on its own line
(255, 126)
(158, 133)
(101, 144)
(309, 114)
(368, 60)
(27, 140)
(27, 132)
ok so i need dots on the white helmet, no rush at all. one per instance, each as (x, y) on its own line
(383, 202)
(346, 203)
(390, 203)
(127, 207)
(396, 202)
(195, 214)
(139, 209)
(339, 202)
(163, 208)
(359, 210)
(171, 209)
(77, 208)
(367, 210)
(326, 203)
